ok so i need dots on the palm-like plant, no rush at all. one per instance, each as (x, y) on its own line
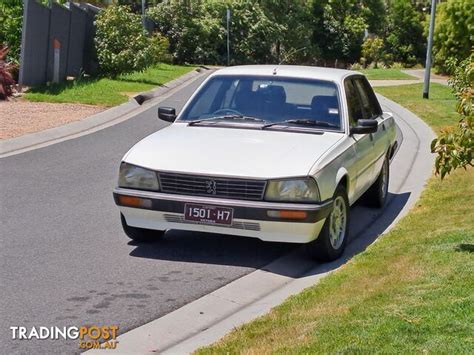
(6, 79)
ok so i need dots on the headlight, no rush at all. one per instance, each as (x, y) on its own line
(298, 190)
(134, 177)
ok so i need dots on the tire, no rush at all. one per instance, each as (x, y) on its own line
(376, 195)
(332, 239)
(141, 234)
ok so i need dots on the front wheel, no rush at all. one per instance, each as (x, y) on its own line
(140, 234)
(332, 240)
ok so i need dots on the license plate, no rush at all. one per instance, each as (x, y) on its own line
(208, 214)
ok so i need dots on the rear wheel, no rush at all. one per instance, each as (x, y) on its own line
(332, 240)
(376, 195)
(141, 234)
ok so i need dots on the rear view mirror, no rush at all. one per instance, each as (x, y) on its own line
(365, 127)
(167, 114)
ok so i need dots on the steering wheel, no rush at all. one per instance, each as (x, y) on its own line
(227, 111)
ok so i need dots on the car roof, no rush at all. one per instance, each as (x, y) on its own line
(292, 71)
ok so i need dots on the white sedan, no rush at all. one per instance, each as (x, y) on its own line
(271, 152)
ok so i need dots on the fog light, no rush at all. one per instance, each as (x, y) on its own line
(132, 201)
(288, 214)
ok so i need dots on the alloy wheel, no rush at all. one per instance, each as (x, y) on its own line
(337, 222)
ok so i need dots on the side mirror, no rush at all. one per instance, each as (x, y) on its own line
(365, 127)
(167, 114)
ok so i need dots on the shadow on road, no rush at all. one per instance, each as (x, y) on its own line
(365, 227)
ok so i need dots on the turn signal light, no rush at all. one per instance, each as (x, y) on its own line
(288, 214)
(132, 201)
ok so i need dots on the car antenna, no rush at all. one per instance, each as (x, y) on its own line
(288, 55)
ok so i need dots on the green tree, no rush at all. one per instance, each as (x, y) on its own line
(197, 33)
(374, 14)
(455, 149)
(338, 29)
(404, 39)
(294, 17)
(179, 22)
(121, 43)
(253, 33)
(454, 32)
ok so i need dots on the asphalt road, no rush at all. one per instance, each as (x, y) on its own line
(65, 260)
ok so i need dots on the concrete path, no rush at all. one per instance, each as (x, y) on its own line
(417, 73)
(420, 74)
(376, 83)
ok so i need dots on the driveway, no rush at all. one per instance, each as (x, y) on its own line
(65, 260)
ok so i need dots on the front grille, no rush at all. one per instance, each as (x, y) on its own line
(183, 184)
(251, 226)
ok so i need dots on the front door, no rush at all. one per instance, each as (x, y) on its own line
(372, 110)
(363, 143)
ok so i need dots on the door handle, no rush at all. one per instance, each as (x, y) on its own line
(383, 126)
(371, 137)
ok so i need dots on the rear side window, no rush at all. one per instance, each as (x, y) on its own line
(353, 102)
(370, 104)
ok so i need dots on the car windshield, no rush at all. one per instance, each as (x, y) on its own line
(268, 101)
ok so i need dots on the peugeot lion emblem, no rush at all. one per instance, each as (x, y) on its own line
(211, 187)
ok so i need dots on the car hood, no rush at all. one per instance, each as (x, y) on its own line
(231, 151)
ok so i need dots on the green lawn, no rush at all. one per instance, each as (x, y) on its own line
(438, 111)
(411, 292)
(386, 74)
(104, 91)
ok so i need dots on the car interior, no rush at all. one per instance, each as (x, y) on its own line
(270, 103)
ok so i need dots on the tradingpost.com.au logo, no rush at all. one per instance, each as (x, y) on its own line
(90, 337)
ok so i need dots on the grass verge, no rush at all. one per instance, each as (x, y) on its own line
(439, 111)
(411, 292)
(386, 74)
(105, 91)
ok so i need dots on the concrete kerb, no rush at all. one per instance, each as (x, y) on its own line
(96, 122)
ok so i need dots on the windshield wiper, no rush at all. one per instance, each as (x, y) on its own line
(228, 117)
(304, 122)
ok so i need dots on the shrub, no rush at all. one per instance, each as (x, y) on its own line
(159, 46)
(455, 148)
(179, 23)
(372, 50)
(197, 33)
(397, 65)
(454, 32)
(11, 17)
(356, 66)
(121, 43)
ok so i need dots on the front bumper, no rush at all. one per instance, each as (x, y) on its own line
(251, 218)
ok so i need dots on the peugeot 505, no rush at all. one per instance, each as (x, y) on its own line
(274, 152)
